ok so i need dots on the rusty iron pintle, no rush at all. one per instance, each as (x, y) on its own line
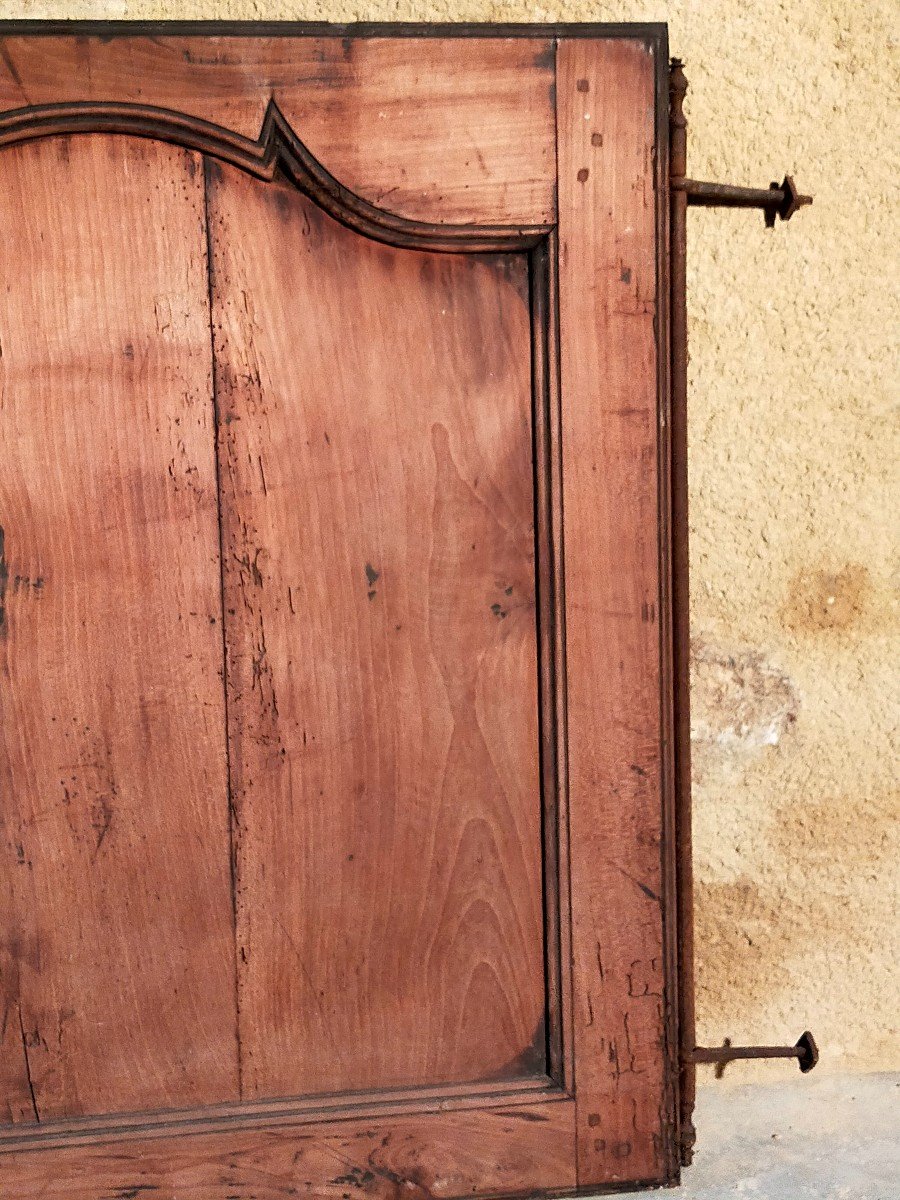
(779, 200)
(804, 1050)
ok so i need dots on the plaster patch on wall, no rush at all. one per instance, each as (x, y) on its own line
(739, 701)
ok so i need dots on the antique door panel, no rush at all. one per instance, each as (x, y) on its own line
(333, 724)
(378, 537)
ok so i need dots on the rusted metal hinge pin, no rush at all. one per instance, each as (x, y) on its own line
(805, 1051)
(777, 200)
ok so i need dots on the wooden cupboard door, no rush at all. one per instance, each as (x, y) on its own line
(334, 835)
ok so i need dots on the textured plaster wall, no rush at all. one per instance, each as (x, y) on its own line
(794, 439)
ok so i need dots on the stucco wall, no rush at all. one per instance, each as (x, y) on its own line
(793, 436)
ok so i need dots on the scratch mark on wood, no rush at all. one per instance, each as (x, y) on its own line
(28, 1075)
(13, 70)
(101, 818)
(648, 892)
(520, 1114)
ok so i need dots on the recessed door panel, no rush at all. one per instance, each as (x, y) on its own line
(378, 535)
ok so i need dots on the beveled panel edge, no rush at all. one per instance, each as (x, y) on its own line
(550, 614)
(266, 1114)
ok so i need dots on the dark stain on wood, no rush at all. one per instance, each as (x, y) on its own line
(356, 1177)
(9, 62)
(531, 1061)
(521, 1114)
(545, 58)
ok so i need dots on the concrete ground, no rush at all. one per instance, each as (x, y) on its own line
(834, 1138)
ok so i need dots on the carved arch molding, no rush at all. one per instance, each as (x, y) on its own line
(277, 146)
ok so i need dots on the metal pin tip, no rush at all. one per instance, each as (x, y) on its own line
(792, 199)
(809, 1055)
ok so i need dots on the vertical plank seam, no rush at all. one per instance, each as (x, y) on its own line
(556, 42)
(210, 291)
(4, 572)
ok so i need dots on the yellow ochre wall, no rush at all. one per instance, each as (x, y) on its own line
(794, 434)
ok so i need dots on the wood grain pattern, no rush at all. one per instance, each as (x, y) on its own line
(608, 302)
(116, 946)
(375, 419)
(432, 129)
(428, 1157)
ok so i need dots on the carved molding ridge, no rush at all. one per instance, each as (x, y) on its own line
(276, 148)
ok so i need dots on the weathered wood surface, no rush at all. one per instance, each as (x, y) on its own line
(116, 945)
(608, 306)
(427, 1157)
(446, 130)
(375, 458)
